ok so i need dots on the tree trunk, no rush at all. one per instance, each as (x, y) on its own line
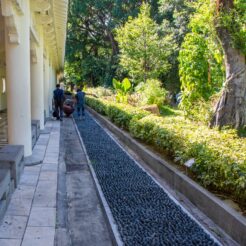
(114, 45)
(231, 107)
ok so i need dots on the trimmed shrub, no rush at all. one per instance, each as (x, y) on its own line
(100, 105)
(220, 156)
(120, 114)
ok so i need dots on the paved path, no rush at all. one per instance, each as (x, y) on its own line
(56, 201)
(31, 216)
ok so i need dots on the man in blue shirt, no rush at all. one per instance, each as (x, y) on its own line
(80, 101)
(58, 97)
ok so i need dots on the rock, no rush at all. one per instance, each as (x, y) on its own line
(152, 108)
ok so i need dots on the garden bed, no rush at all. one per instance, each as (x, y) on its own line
(220, 156)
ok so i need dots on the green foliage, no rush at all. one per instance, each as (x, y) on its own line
(122, 89)
(220, 156)
(201, 111)
(143, 53)
(99, 91)
(72, 72)
(234, 21)
(201, 62)
(175, 16)
(98, 104)
(168, 111)
(242, 132)
(120, 114)
(91, 49)
(151, 92)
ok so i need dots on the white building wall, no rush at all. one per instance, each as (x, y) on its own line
(3, 98)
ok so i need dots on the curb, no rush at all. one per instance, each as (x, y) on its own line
(225, 217)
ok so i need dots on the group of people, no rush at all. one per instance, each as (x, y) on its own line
(59, 99)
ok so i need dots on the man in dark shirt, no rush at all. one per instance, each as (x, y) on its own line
(58, 97)
(80, 101)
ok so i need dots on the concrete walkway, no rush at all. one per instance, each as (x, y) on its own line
(45, 212)
(31, 216)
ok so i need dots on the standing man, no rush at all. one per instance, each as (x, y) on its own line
(80, 101)
(58, 97)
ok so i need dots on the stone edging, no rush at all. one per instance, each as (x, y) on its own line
(225, 217)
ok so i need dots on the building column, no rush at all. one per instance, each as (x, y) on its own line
(46, 86)
(51, 86)
(37, 82)
(17, 43)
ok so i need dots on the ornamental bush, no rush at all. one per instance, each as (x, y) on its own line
(120, 114)
(100, 91)
(100, 105)
(151, 92)
(220, 156)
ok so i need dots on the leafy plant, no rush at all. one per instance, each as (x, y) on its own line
(100, 91)
(175, 17)
(151, 92)
(122, 89)
(201, 61)
(234, 20)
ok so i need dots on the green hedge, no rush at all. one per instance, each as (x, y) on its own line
(101, 106)
(120, 114)
(220, 156)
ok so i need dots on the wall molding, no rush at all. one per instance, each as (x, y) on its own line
(11, 25)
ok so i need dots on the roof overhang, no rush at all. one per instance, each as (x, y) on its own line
(52, 16)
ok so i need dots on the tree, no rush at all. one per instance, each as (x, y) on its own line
(201, 60)
(90, 48)
(90, 36)
(230, 19)
(143, 53)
